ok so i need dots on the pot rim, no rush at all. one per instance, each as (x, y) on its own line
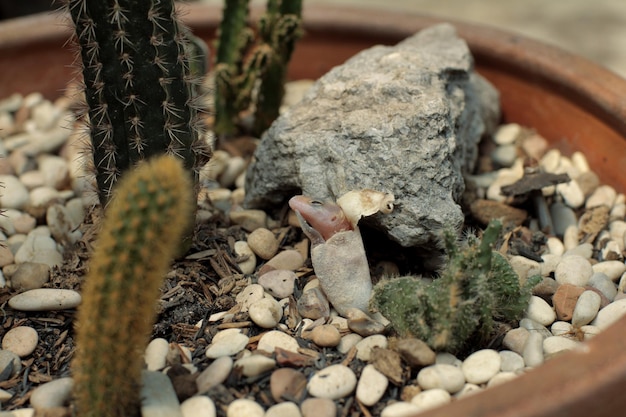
(586, 381)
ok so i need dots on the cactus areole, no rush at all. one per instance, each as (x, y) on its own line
(139, 89)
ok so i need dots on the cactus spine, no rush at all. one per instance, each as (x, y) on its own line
(143, 226)
(476, 287)
(139, 86)
(249, 72)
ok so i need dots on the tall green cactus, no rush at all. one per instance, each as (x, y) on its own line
(139, 86)
(142, 229)
(251, 72)
(476, 287)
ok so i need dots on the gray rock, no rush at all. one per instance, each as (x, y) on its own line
(404, 119)
(158, 398)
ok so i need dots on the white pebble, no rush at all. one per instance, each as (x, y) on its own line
(481, 366)
(266, 313)
(468, 389)
(574, 270)
(198, 406)
(555, 246)
(372, 385)
(156, 354)
(226, 343)
(248, 263)
(263, 242)
(244, 408)
(580, 162)
(278, 282)
(610, 314)
(571, 193)
(586, 308)
(447, 377)
(507, 134)
(431, 398)
(612, 269)
(39, 248)
(348, 341)
(533, 350)
(333, 382)
(561, 328)
(548, 266)
(286, 409)
(555, 344)
(570, 237)
(510, 361)
(550, 160)
(55, 393)
(215, 374)
(274, 338)
(364, 347)
(445, 358)
(14, 193)
(604, 195)
(603, 284)
(584, 249)
(400, 409)
(254, 365)
(540, 311)
(501, 377)
(234, 166)
(45, 299)
(249, 295)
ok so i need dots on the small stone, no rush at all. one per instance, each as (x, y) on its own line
(364, 347)
(612, 269)
(10, 364)
(55, 171)
(30, 276)
(593, 221)
(55, 393)
(610, 314)
(507, 134)
(198, 406)
(45, 299)
(244, 408)
(467, 390)
(586, 309)
(234, 166)
(287, 383)
(574, 270)
(348, 341)
(510, 361)
(584, 249)
(400, 409)
(247, 264)
(557, 344)
(24, 223)
(312, 304)
(249, 220)
(572, 194)
(504, 155)
(560, 328)
(546, 288)
(447, 377)
(524, 267)
(289, 259)
(533, 350)
(501, 377)
(62, 226)
(14, 193)
(570, 237)
(325, 335)
(39, 248)
(588, 182)
(555, 246)
(481, 366)
(446, 358)
(535, 327)
(604, 195)
(270, 340)
(371, 387)
(266, 313)
(318, 407)
(333, 382)
(249, 295)
(389, 363)
(415, 352)
(562, 217)
(263, 242)
(215, 374)
(565, 299)
(286, 409)
(156, 354)
(540, 311)
(431, 398)
(604, 284)
(227, 343)
(535, 146)
(279, 282)
(363, 324)
(254, 365)
(158, 398)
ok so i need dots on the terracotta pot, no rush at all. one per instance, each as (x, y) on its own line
(574, 103)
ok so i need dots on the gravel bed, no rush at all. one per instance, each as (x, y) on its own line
(241, 329)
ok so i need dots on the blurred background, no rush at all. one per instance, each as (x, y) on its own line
(595, 29)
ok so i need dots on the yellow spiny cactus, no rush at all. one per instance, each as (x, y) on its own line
(141, 232)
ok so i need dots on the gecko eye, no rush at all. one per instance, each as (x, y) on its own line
(316, 203)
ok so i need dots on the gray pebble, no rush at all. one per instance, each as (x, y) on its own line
(55, 393)
(510, 361)
(30, 276)
(533, 350)
(45, 299)
(158, 398)
(562, 217)
(10, 364)
(604, 284)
